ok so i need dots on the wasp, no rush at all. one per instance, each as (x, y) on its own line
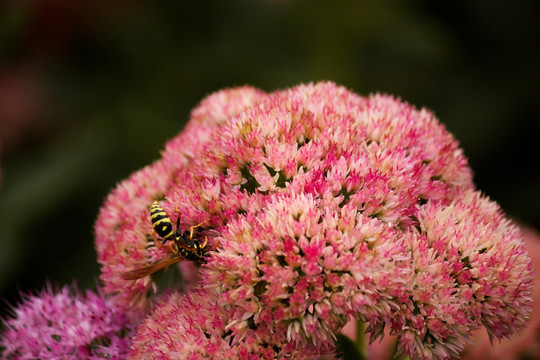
(181, 243)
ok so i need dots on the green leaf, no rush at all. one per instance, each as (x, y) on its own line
(346, 349)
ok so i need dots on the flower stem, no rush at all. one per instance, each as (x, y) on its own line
(361, 338)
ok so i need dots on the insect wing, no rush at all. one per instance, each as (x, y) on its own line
(149, 269)
(212, 234)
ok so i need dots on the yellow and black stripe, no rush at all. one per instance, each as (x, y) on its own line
(161, 222)
(199, 253)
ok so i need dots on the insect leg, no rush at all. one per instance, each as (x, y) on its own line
(159, 245)
(177, 211)
(193, 227)
(180, 243)
(173, 248)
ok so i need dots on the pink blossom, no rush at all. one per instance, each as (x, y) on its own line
(194, 326)
(470, 269)
(65, 325)
(330, 207)
(362, 169)
(122, 235)
(123, 230)
(297, 266)
(525, 344)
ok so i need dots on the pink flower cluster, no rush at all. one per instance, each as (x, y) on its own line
(65, 325)
(329, 207)
(471, 269)
(521, 346)
(123, 228)
(525, 345)
(195, 326)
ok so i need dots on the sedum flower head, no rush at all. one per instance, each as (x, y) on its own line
(65, 325)
(526, 344)
(471, 269)
(308, 270)
(330, 207)
(194, 326)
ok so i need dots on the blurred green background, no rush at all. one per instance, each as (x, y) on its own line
(90, 92)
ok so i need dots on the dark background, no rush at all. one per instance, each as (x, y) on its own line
(90, 92)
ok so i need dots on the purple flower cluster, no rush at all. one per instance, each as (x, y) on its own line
(329, 207)
(65, 325)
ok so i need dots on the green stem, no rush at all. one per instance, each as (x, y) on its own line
(361, 338)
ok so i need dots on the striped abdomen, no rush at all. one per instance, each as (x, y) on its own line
(161, 222)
